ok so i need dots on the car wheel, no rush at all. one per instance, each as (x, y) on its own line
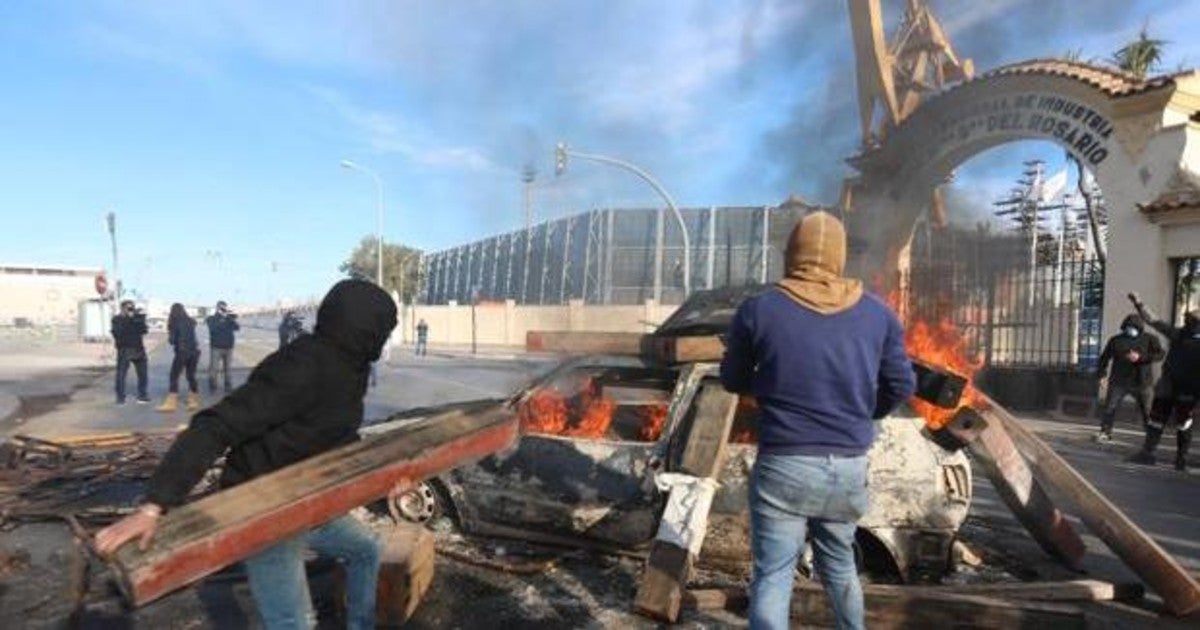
(425, 504)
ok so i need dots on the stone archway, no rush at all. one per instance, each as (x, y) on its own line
(1140, 138)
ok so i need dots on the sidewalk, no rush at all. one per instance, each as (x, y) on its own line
(464, 351)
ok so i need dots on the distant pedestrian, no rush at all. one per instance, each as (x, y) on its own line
(290, 328)
(128, 330)
(1178, 389)
(824, 360)
(422, 338)
(181, 334)
(1132, 354)
(221, 328)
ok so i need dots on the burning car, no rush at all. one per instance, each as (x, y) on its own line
(597, 429)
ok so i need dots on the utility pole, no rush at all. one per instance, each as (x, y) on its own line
(562, 152)
(111, 221)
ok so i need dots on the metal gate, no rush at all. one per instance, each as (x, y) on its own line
(1016, 304)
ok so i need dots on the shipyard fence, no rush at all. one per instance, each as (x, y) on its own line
(614, 256)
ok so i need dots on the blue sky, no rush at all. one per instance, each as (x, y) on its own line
(214, 129)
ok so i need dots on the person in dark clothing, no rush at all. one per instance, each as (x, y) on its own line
(181, 334)
(221, 328)
(823, 360)
(128, 329)
(1178, 389)
(290, 328)
(302, 400)
(422, 338)
(1132, 354)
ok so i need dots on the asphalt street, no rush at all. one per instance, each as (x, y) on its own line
(1164, 502)
(403, 381)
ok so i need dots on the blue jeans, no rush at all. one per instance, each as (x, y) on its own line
(280, 586)
(791, 496)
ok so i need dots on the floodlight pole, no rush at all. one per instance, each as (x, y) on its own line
(562, 152)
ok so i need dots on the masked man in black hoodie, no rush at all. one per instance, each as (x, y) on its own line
(305, 399)
(1178, 390)
(128, 329)
(1132, 354)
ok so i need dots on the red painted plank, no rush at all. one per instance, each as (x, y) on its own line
(201, 538)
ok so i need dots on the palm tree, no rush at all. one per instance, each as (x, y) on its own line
(1141, 56)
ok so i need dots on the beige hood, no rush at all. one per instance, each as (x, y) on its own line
(813, 266)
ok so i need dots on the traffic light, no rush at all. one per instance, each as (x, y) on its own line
(560, 158)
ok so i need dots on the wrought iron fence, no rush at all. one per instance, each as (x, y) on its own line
(1015, 305)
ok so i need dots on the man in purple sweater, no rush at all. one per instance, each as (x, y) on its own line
(824, 360)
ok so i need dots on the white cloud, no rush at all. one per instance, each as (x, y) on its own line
(390, 134)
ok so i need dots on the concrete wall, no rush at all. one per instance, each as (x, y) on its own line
(507, 323)
(44, 299)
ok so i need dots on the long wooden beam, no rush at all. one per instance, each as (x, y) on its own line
(890, 606)
(201, 538)
(1013, 480)
(684, 522)
(1179, 589)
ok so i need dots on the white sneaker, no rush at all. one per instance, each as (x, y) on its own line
(1103, 437)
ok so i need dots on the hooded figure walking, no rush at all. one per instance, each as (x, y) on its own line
(1132, 354)
(824, 360)
(302, 400)
(1178, 389)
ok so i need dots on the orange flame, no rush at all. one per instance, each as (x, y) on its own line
(654, 417)
(595, 413)
(588, 414)
(941, 344)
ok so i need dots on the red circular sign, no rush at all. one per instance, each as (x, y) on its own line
(101, 284)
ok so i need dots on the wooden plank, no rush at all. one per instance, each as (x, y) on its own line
(909, 607)
(708, 435)
(1164, 575)
(1013, 480)
(577, 342)
(669, 566)
(690, 349)
(200, 538)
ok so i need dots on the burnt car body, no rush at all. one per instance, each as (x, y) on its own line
(578, 482)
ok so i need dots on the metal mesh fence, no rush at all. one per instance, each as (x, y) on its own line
(609, 256)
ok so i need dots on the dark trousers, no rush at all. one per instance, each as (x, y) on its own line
(185, 363)
(1112, 401)
(136, 356)
(223, 356)
(422, 346)
(1171, 403)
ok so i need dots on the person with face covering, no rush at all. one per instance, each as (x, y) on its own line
(1132, 354)
(222, 326)
(181, 334)
(1178, 389)
(128, 331)
(302, 400)
(824, 360)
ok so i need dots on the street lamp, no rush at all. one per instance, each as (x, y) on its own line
(562, 152)
(379, 216)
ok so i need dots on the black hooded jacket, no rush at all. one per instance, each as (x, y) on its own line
(1182, 365)
(302, 400)
(1125, 372)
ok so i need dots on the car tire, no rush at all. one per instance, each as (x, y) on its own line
(426, 504)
